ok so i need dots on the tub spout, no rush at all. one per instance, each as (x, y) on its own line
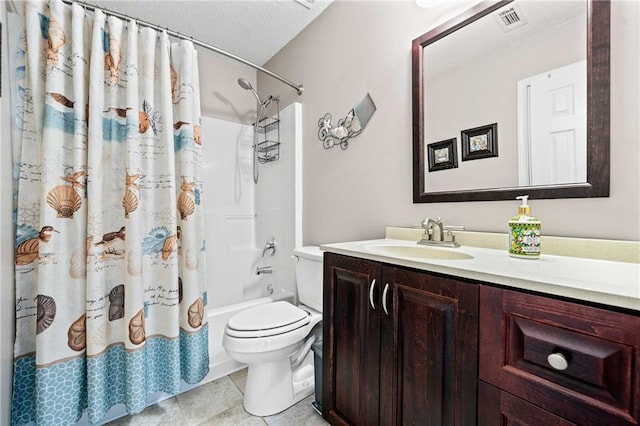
(264, 270)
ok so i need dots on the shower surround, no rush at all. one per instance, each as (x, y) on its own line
(241, 216)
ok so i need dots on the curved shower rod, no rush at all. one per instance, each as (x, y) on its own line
(298, 87)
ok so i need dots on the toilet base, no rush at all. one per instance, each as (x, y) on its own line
(272, 387)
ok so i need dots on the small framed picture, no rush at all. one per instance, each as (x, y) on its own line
(480, 142)
(442, 155)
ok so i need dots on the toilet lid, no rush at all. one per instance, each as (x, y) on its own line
(267, 320)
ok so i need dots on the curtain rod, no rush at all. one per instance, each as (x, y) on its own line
(298, 87)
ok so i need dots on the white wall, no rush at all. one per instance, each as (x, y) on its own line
(241, 216)
(278, 198)
(365, 46)
(230, 212)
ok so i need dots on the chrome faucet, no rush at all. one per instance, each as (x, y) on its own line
(442, 239)
(269, 245)
(428, 224)
(264, 270)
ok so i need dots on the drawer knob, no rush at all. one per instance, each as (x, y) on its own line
(557, 361)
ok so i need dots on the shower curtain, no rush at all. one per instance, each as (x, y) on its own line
(110, 300)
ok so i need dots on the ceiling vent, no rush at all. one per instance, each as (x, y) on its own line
(510, 18)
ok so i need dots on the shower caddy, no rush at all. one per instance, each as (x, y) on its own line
(269, 150)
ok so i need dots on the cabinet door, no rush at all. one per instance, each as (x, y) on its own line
(351, 348)
(428, 350)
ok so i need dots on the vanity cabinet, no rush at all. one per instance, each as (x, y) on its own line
(400, 346)
(553, 362)
(403, 346)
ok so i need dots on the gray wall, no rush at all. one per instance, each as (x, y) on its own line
(220, 95)
(365, 46)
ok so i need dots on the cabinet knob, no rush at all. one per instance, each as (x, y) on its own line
(557, 361)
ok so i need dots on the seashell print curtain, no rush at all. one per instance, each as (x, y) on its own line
(110, 289)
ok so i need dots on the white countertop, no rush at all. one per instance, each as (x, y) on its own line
(600, 281)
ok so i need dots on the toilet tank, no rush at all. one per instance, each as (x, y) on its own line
(309, 276)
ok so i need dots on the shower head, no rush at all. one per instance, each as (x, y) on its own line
(244, 83)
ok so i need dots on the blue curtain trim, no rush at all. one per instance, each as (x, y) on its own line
(66, 388)
(60, 395)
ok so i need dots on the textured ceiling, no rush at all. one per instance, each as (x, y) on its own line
(252, 29)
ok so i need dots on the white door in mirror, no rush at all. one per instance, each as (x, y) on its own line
(555, 112)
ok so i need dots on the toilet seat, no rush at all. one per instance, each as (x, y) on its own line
(266, 320)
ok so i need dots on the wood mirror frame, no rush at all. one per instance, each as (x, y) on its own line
(598, 114)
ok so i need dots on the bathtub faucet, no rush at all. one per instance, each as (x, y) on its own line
(264, 270)
(269, 245)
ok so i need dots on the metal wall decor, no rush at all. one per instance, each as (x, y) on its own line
(349, 127)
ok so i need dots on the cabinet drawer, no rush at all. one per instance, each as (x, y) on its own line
(496, 407)
(576, 361)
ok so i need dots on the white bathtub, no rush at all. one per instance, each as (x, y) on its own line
(219, 362)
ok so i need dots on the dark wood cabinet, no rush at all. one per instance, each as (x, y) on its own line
(400, 346)
(429, 344)
(577, 362)
(351, 341)
(407, 347)
(500, 408)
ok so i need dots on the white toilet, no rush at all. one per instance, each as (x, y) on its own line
(274, 340)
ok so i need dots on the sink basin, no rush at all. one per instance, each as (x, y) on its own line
(416, 251)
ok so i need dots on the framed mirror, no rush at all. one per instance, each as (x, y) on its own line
(480, 85)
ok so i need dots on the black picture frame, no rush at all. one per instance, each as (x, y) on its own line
(443, 155)
(480, 142)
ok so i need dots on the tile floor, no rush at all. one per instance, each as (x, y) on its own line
(219, 403)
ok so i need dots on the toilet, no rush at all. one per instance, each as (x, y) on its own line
(274, 340)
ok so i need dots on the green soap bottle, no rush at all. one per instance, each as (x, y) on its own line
(524, 235)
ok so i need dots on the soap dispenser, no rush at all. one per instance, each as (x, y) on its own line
(524, 235)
